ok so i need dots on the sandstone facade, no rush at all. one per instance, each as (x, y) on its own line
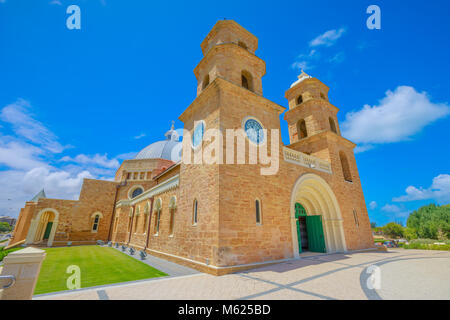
(221, 217)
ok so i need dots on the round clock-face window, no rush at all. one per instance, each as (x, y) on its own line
(197, 138)
(254, 131)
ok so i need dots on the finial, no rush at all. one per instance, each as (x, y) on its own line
(173, 125)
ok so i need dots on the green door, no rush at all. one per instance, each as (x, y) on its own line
(299, 212)
(316, 238)
(47, 230)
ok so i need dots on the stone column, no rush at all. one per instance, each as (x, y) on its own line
(25, 266)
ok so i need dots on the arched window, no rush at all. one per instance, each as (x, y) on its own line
(146, 217)
(323, 96)
(242, 45)
(136, 192)
(158, 207)
(194, 212)
(205, 82)
(172, 208)
(332, 125)
(130, 220)
(136, 219)
(247, 80)
(301, 129)
(258, 211)
(96, 222)
(345, 167)
(299, 99)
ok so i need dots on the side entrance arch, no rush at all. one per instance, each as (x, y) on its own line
(43, 227)
(315, 217)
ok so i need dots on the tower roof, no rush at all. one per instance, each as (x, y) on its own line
(40, 195)
(226, 31)
(303, 76)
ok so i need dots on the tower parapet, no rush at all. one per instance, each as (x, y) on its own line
(229, 53)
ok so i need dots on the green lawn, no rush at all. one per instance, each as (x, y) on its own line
(98, 265)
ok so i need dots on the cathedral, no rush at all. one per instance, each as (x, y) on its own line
(223, 216)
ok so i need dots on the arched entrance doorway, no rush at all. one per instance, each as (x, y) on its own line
(43, 227)
(313, 204)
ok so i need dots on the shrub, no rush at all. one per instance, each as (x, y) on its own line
(4, 253)
(423, 246)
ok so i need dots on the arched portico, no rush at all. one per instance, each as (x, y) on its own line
(43, 227)
(316, 196)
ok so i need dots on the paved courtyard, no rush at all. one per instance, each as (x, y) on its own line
(404, 274)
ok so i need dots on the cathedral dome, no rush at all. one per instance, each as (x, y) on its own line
(169, 149)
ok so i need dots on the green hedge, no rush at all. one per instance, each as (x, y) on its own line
(4, 253)
(424, 246)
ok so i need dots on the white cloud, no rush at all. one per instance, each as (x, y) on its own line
(395, 211)
(373, 205)
(337, 58)
(439, 191)
(308, 60)
(57, 2)
(140, 136)
(24, 125)
(28, 165)
(19, 155)
(328, 39)
(97, 159)
(399, 116)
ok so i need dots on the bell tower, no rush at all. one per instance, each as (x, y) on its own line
(309, 112)
(229, 53)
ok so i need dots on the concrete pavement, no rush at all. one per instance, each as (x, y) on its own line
(403, 274)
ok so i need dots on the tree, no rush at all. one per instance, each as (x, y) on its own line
(4, 227)
(431, 221)
(373, 225)
(393, 230)
(410, 233)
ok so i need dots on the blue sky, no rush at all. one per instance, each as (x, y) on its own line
(75, 103)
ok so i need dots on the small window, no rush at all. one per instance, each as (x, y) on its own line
(142, 176)
(332, 125)
(135, 176)
(355, 216)
(258, 211)
(157, 221)
(194, 214)
(247, 80)
(205, 82)
(244, 82)
(299, 99)
(129, 176)
(345, 167)
(242, 45)
(323, 96)
(136, 222)
(172, 217)
(146, 217)
(301, 129)
(136, 192)
(96, 221)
